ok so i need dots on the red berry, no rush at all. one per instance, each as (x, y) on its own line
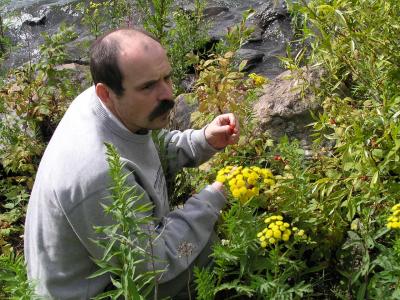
(277, 158)
(231, 128)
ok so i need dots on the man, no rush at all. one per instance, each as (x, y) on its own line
(132, 95)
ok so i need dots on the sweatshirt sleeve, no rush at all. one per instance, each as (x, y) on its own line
(190, 226)
(187, 149)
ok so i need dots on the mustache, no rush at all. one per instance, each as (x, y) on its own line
(164, 107)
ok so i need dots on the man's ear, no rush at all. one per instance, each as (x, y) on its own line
(103, 93)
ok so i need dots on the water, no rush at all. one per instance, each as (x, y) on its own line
(56, 11)
(19, 4)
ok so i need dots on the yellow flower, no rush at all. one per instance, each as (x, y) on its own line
(285, 237)
(232, 182)
(235, 193)
(287, 232)
(251, 181)
(221, 178)
(396, 207)
(277, 234)
(240, 183)
(271, 240)
(264, 244)
(269, 182)
(242, 190)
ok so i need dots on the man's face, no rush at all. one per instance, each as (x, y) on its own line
(147, 97)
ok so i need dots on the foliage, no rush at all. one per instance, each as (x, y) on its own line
(356, 180)
(244, 269)
(103, 16)
(13, 280)
(4, 40)
(220, 89)
(340, 196)
(33, 99)
(127, 242)
(172, 26)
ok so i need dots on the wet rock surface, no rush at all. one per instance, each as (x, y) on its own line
(29, 21)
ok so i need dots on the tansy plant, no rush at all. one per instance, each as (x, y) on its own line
(394, 219)
(276, 230)
(258, 80)
(246, 182)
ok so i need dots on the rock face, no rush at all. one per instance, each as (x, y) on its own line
(180, 115)
(270, 12)
(282, 110)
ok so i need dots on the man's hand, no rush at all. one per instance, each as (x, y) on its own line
(219, 187)
(222, 131)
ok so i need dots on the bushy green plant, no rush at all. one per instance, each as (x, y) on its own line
(33, 99)
(172, 26)
(357, 179)
(14, 283)
(105, 15)
(245, 267)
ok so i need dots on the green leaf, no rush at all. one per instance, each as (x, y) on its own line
(242, 65)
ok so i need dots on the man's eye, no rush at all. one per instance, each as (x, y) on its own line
(148, 86)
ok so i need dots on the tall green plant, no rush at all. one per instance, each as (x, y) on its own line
(128, 242)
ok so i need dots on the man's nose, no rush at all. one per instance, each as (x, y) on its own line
(166, 92)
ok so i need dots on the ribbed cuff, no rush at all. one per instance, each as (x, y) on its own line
(218, 199)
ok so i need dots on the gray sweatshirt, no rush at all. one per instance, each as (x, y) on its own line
(71, 183)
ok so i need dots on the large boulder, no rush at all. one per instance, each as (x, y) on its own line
(285, 105)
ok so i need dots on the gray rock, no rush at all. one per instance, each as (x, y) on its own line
(270, 12)
(180, 115)
(257, 34)
(252, 56)
(214, 11)
(39, 21)
(282, 110)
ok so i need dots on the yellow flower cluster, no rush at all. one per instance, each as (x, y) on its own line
(257, 79)
(394, 219)
(277, 230)
(246, 182)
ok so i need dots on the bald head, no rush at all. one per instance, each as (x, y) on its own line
(108, 50)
